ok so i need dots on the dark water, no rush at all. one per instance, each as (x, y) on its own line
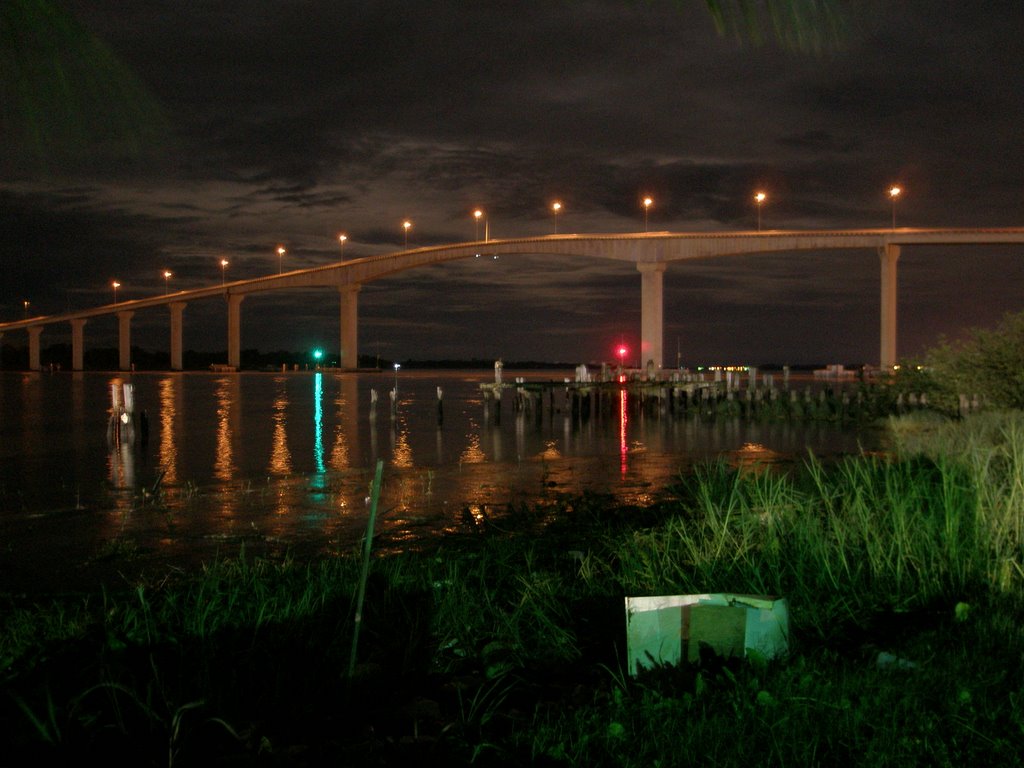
(285, 460)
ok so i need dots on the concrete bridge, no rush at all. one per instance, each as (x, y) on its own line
(651, 252)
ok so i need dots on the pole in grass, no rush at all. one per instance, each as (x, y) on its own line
(368, 545)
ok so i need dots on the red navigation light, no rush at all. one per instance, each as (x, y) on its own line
(622, 351)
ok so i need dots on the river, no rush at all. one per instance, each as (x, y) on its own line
(284, 461)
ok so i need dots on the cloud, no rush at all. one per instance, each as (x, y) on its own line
(293, 123)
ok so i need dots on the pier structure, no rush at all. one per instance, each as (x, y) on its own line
(650, 252)
(749, 394)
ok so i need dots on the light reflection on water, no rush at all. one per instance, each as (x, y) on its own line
(280, 456)
(753, 457)
(228, 407)
(169, 446)
(283, 457)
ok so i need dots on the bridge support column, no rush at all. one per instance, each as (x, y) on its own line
(349, 357)
(177, 310)
(889, 255)
(652, 314)
(235, 329)
(124, 340)
(78, 344)
(34, 362)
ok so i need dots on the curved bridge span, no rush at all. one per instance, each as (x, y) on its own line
(651, 253)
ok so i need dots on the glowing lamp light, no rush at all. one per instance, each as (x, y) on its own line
(318, 354)
(622, 351)
(759, 198)
(894, 192)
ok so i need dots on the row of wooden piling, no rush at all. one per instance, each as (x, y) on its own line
(708, 400)
(724, 398)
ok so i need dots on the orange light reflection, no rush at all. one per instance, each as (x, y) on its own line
(223, 462)
(280, 456)
(168, 415)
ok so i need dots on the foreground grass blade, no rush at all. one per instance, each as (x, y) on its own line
(374, 497)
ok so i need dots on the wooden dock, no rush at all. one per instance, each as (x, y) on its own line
(732, 394)
(593, 398)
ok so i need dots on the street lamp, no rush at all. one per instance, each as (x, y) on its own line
(405, 225)
(759, 199)
(115, 285)
(477, 215)
(622, 351)
(648, 202)
(167, 276)
(223, 268)
(341, 242)
(555, 208)
(280, 256)
(397, 366)
(894, 192)
(26, 309)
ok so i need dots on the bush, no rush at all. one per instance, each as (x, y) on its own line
(988, 363)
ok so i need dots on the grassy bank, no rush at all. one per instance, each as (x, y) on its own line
(903, 576)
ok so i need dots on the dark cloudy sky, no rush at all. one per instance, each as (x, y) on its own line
(289, 122)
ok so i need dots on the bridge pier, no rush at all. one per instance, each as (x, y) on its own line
(888, 254)
(34, 361)
(235, 329)
(652, 313)
(349, 356)
(78, 344)
(124, 340)
(177, 310)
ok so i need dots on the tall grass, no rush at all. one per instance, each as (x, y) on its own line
(868, 534)
(989, 448)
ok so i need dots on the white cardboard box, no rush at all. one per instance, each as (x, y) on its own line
(667, 629)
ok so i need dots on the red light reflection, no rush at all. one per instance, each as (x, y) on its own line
(623, 421)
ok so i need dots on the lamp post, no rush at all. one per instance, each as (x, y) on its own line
(26, 309)
(894, 192)
(622, 351)
(759, 199)
(397, 366)
(115, 286)
(341, 243)
(477, 215)
(406, 225)
(648, 202)
(555, 208)
(223, 269)
(167, 276)
(280, 256)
